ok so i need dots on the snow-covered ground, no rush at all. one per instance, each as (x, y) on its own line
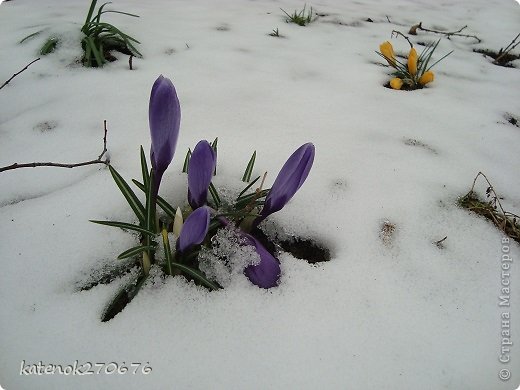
(399, 314)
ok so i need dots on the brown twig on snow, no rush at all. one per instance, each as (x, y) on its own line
(130, 62)
(98, 160)
(504, 52)
(415, 27)
(17, 73)
(397, 33)
(492, 209)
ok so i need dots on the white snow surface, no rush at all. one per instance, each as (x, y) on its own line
(400, 315)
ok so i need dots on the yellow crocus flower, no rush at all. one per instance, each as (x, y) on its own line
(426, 78)
(396, 83)
(412, 62)
(388, 51)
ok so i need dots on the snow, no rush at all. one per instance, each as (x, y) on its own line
(400, 315)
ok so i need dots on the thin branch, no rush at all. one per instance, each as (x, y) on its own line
(414, 28)
(397, 33)
(500, 220)
(17, 73)
(250, 206)
(508, 48)
(99, 160)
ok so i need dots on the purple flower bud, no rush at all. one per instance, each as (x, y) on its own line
(289, 180)
(193, 230)
(164, 118)
(266, 273)
(200, 172)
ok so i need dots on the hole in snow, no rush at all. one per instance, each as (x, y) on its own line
(503, 60)
(301, 248)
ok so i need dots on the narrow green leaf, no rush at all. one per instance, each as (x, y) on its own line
(127, 226)
(100, 11)
(123, 298)
(214, 195)
(49, 46)
(134, 251)
(245, 200)
(30, 36)
(186, 162)
(197, 275)
(168, 209)
(150, 205)
(144, 169)
(167, 251)
(150, 222)
(249, 168)
(247, 187)
(120, 12)
(436, 62)
(129, 195)
(214, 146)
(89, 15)
(95, 51)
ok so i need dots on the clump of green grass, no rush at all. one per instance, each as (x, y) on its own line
(301, 18)
(491, 209)
(101, 38)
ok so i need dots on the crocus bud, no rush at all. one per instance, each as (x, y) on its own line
(164, 118)
(396, 83)
(193, 230)
(177, 222)
(426, 78)
(387, 51)
(412, 62)
(289, 180)
(200, 172)
(266, 273)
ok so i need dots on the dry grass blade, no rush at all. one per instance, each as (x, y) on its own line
(492, 209)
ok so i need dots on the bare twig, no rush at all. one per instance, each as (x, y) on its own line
(17, 73)
(130, 62)
(99, 160)
(397, 33)
(258, 191)
(504, 52)
(414, 28)
(441, 241)
(504, 220)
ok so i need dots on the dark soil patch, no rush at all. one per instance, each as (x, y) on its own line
(503, 61)
(405, 87)
(301, 248)
(513, 120)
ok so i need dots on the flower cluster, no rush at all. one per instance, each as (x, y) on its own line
(204, 218)
(415, 73)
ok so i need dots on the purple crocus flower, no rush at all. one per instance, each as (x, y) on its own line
(193, 230)
(200, 172)
(164, 118)
(289, 180)
(266, 273)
